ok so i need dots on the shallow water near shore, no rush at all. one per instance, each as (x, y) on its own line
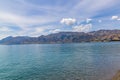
(83, 61)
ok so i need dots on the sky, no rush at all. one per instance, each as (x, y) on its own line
(43, 17)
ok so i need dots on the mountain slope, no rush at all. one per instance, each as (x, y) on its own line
(66, 37)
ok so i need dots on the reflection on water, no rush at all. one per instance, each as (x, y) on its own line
(83, 61)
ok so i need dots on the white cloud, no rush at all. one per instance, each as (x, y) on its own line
(99, 21)
(24, 23)
(114, 17)
(88, 20)
(55, 31)
(90, 8)
(82, 28)
(118, 19)
(35, 32)
(24, 14)
(39, 29)
(68, 21)
(5, 29)
(26, 20)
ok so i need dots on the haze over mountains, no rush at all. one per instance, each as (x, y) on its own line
(66, 37)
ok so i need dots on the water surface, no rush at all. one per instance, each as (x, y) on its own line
(83, 61)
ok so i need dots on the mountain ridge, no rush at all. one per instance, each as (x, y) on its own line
(65, 37)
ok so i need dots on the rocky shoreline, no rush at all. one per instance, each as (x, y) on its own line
(116, 76)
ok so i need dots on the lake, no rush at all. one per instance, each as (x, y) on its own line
(76, 61)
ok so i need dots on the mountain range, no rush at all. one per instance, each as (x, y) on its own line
(65, 37)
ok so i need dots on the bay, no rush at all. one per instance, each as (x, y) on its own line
(75, 61)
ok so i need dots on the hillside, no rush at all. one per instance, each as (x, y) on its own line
(66, 37)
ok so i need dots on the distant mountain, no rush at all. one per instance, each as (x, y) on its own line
(66, 37)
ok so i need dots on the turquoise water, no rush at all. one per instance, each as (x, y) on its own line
(83, 61)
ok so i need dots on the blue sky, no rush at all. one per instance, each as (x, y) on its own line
(42, 17)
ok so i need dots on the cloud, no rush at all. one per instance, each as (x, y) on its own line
(91, 8)
(55, 31)
(99, 21)
(37, 31)
(68, 21)
(5, 29)
(114, 17)
(26, 14)
(26, 23)
(26, 20)
(82, 28)
(88, 20)
(118, 19)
